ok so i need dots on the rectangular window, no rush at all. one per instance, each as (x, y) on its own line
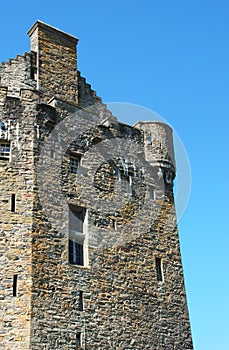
(159, 270)
(152, 193)
(13, 202)
(80, 301)
(78, 340)
(74, 165)
(15, 277)
(150, 139)
(126, 184)
(4, 150)
(76, 235)
(51, 153)
(33, 73)
(76, 253)
(76, 219)
(114, 224)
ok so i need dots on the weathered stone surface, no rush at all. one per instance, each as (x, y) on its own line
(117, 299)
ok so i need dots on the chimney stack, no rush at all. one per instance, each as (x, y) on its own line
(56, 66)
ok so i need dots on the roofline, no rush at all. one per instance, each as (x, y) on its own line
(152, 122)
(52, 29)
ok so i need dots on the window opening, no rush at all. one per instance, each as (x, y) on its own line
(126, 184)
(150, 138)
(78, 340)
(51, 153)
(74, 165)
(76, 235)
(4, 150)
(15, 278)
(81, 301)
(114, 224)
(75, 253)
(76, 219)
(2, 126)
(13, 202)
(159, 270)
(152, 193)
(33, 73)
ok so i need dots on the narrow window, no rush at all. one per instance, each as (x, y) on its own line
(51, 153)
(150, 139)
(159, 270)
(114, 224)
(15, 285)
(80, 301)
(78, 340)
(2, 126)
(151, 193)
(33, 73)
(74, 165)
(126, 184)
(76, 235)
(13, 202)
(5, 150)
(76, 253)
(76, 219)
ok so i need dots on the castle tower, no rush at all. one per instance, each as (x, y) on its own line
(89, 248)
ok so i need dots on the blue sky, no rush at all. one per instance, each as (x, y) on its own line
(171, 57)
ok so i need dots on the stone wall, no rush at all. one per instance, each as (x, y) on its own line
(17, 178)
(18, 73)
(86, 96)
(129, 292)
(125, 306)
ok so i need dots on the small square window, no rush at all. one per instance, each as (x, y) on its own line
(4, 150)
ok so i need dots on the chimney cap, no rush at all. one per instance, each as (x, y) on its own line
(42, 25)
